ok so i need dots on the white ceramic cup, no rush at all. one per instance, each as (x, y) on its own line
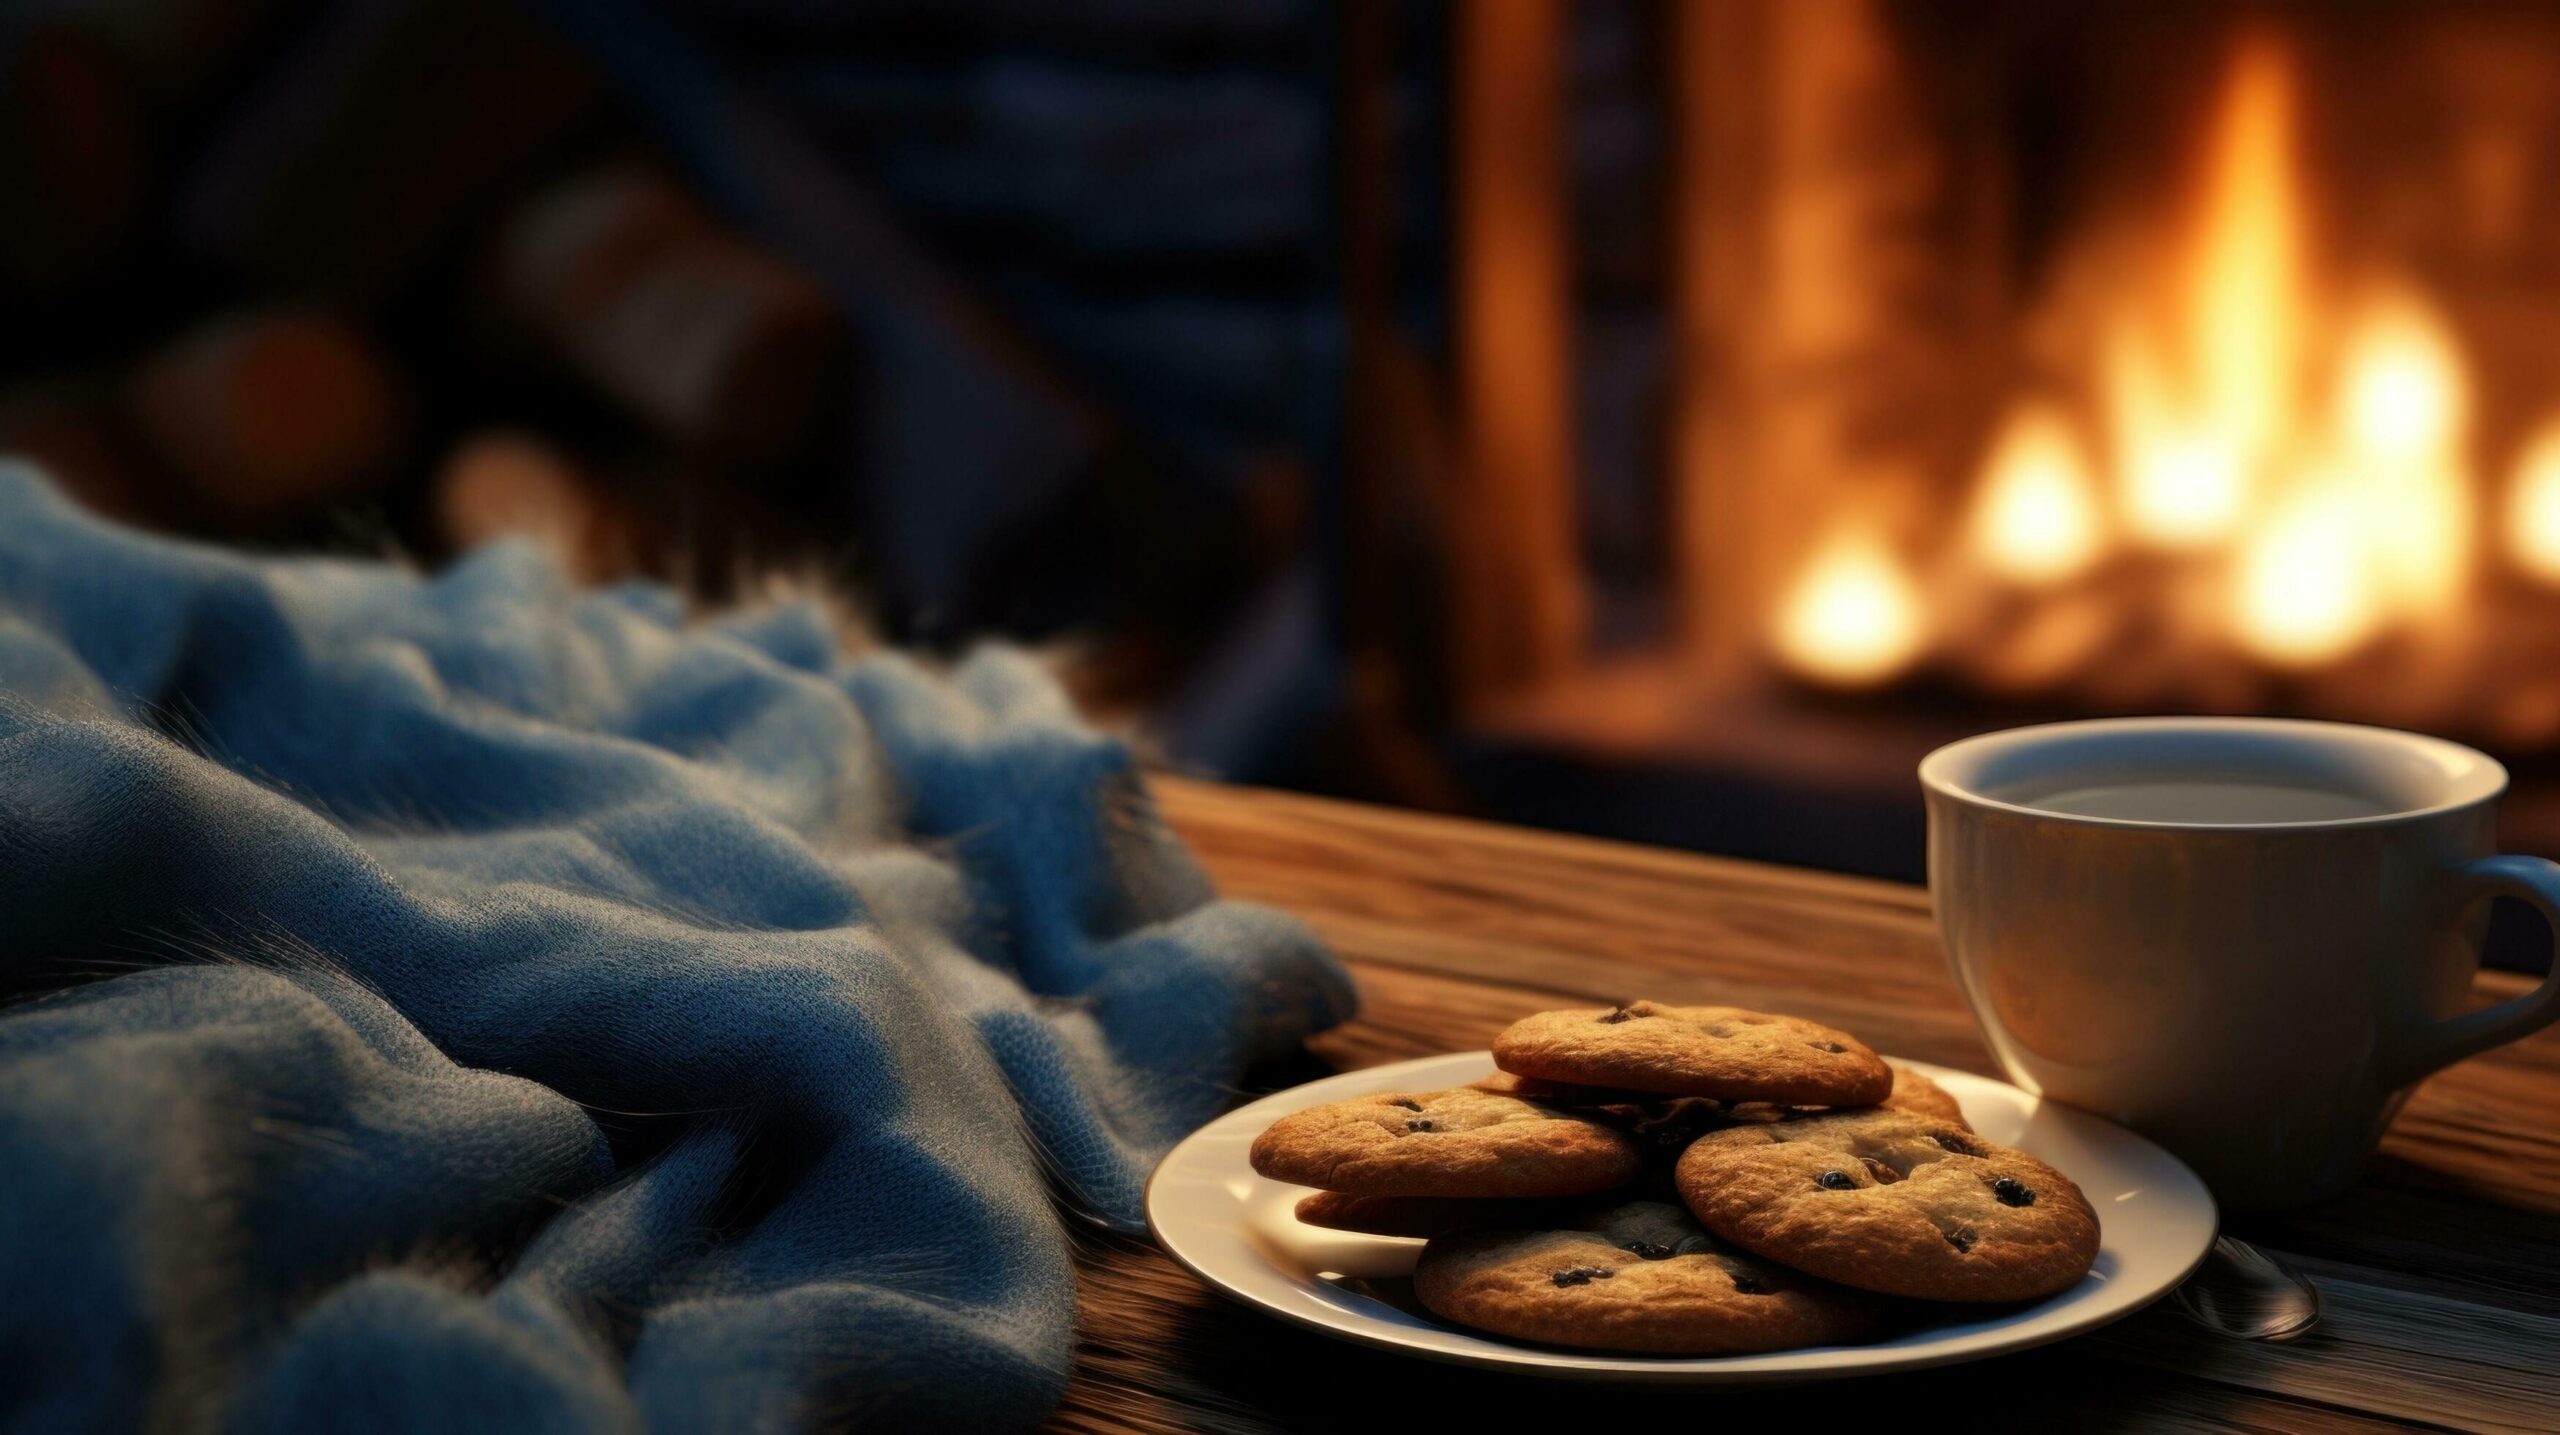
(2258, 996)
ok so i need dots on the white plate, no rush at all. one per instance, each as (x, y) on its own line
(1239, 1232)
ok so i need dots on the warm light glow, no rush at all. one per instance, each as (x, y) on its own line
(2037, 518)
(2401, 391)
(2371, 519)
(2303, 595)
(2401, 409)
(2293, 448)
(2197, 410)
(2241, 305)
(1853, 617)
(2533, 506)
(2417, 521)
(2184, 485)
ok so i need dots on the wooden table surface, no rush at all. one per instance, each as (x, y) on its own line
(2440, 1273)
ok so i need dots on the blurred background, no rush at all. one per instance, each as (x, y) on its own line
(1665, 420)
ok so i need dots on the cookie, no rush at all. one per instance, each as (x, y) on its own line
(1560, 1093)
(1639, 1276)
(1917, 1095)
(1913, 1094)
(1895, 1203)
(1417, 1215)
(1445, 1143)
(1664, 1128)
(1719, 1051)
(1663, 1125)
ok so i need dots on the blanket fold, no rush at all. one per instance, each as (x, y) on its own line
(466, 1002)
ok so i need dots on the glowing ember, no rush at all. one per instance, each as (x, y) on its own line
(2184, 483)
(2302, 596)
(2037, 520)
(1853, 618)
(2401, 403)
(2533, 507)
(2401, 390)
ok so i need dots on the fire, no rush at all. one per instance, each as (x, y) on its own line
(2533, 507)
(2302, 598)
(2375, 523)
(1853, 618)
(2200, 409)
(2402, 411)
(2184, 480)
(2241, 307)
(2300, 445)
(2037, 520)
(2401, 391)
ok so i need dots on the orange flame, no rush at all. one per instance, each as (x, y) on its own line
(1853, 617)
(2322, 472)
(2037, 520)
(2533, 506)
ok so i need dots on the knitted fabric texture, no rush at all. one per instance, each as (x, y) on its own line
(471, 1003)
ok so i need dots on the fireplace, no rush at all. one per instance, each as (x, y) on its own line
(2017, 362)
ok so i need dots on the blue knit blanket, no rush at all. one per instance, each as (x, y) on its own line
(469, 1003)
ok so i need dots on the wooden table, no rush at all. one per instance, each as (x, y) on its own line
(2441, 1273)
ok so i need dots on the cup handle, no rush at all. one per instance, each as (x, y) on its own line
(2536, 882)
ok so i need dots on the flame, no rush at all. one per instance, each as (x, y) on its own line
(2185, 483)
(2037, 520)
(2301, 449)
(2194, 425)
(2303, 598)
(2375, 522)
(2242, 305)
(2533, 506)
(2402, 406)
(1853, 618)
(2401, 390)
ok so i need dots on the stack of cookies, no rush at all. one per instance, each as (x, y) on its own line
(1690, 1181)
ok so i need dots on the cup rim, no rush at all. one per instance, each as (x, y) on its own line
(2482, 779)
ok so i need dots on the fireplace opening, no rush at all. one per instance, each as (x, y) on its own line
(2250, 444)
(2016, 363)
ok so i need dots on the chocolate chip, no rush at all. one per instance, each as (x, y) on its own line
(1621, 1014)
(1960, 1144)
(1649, 1250)
(2011, 1193)
(1407, 1102)
(1835, 1181)
(1961, 1238)
(1745, 1283)
(1885, 1175)
(1420, 1123)
(1581, 1276)
(1830, 1046)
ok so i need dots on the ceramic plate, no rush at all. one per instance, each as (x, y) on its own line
(1237, 1231)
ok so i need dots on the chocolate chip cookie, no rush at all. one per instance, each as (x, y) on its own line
(1895, 1203)
(1445, 1143)
(1917, 1095)
(1723, 1052)
(1663, 1125)
(1640, 1276)
(1560, 1093)
(1418, 1215)
(1913, 1094)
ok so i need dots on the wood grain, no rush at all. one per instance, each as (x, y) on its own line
(2441, 1272)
